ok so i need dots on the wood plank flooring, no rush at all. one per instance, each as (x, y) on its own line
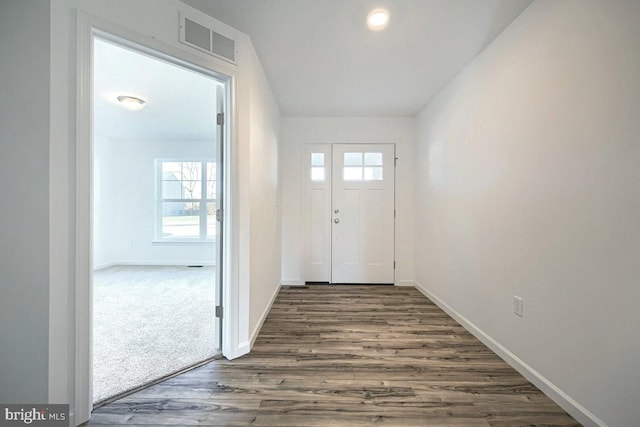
(347, 356)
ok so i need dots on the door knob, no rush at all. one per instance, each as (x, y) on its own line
(336, 220)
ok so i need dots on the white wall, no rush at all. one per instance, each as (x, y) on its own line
(105, 226)
(24, 210)
(124, 200)
(528, 168)
(265, 198)
(296, 132)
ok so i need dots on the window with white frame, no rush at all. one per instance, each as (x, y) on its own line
(317, 167)
(186, 200)
(362, 166)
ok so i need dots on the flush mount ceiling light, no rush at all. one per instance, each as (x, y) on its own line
(132, 102)
(378, 19)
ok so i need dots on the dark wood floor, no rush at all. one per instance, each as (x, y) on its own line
(348, 356)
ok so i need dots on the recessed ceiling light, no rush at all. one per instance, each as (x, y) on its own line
(378, 19)
(132, 102)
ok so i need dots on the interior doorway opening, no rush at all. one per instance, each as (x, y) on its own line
(157, 185)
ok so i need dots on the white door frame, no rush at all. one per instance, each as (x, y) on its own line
(88, 27)
(327, 148)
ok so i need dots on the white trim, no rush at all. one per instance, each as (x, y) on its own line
(105, 265)
(159, 199)
(83, 250)
(406, 283)
(579, 412)
(307, 149)
(242, 349)
(183, 242)
(256, 330)
(292, 283)
(231, 225)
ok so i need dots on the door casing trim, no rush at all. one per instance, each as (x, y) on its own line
(303, 200)
(88, 27)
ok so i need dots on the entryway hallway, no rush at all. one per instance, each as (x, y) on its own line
(348, 356)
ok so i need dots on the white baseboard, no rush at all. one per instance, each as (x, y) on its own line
(243, 348)
(265, 313)
(405, 283)
(153, 264)
(579, 412)
(292, 283)
(103, 266)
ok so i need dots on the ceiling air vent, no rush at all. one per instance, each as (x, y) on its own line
(205, 39)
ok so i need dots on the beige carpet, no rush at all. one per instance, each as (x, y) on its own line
(149, 322)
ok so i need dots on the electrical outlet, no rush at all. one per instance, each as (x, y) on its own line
(518, 306)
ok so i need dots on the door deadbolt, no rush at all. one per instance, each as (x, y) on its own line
(336, 211)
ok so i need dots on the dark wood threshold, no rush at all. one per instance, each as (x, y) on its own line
(152, 383)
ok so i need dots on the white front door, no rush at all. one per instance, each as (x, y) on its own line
(349, 218)
(362, 204)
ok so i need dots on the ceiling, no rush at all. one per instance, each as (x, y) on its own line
(322, 60)
(181, 104)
